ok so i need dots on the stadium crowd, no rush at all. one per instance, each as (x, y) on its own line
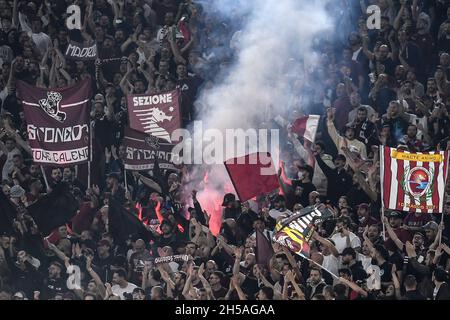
(385, 87)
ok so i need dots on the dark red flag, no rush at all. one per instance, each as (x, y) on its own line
(252, 175)
(141, 150)
(157, 115)
(57, 122)
(264, 250)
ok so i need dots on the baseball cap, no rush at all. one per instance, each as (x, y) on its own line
(229, 197)
(395, 214)
(16, 192)
(363, 206)
(431, 225)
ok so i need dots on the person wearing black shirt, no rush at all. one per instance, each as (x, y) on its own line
(54, 284)
(188, 86)
(349, 260)
(412, 293)
(168, 237)
(303, 186)
(339, 181)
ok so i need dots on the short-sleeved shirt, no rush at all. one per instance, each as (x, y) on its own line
(341, 242)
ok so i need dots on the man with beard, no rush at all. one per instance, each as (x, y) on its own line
(54, 284)
(365, 130)
(121, 286)
(343, 237)
(168, 236)
(433, 233)
(69, 177)
(355, 102)
(379, 257)
(55, 177)
(411, 141)
(116, 190)
(279, 208)
(315, 283)
(349, 140)
(350, 262)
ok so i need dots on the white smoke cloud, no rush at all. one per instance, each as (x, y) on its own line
(275, 33)
(273, 50)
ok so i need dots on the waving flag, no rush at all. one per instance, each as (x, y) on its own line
(306, 127)
(252, 175)
(142, 150)
(294, 232)
(413, 182)
(57, 122)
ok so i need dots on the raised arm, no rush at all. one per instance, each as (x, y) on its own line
(149, 183)
(392, 234)
(354, 286)
(95, 276)
(326, 243)
(332, 129)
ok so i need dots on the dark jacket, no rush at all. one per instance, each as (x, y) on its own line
(339, 181)
(443, 292)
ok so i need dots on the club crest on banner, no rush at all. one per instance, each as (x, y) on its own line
(150, 118)
(418, 182)
(152, 141)
(51, 106)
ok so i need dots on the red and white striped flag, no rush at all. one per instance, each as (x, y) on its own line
(413, 182)
(306, 127)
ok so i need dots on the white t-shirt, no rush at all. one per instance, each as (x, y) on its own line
(331, 263)
(9, 164)
(341, 242)
(116, 289)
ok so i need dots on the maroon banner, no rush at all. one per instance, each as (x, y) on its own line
(252, 175)
(57, 122)
(141, 150)
(157, 115)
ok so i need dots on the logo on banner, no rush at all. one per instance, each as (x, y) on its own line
(152, 141)
(418, 182)
(150, 118)
(51, 106)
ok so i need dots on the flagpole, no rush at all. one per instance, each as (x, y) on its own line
(322, 267)
(125, 179)
(381, 150)
(90, 155)
(440, 236)
(45, 177)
